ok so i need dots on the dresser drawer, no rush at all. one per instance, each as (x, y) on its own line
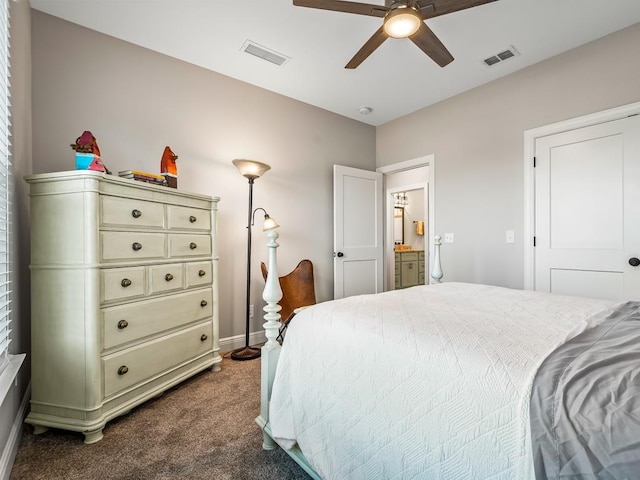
(409, 256)
(165, 278)
(185, 218)
(132, 245)
(199, 273)
(134, 365)
(122, 283)
(127, 323)
(126, 212)
(189, 245)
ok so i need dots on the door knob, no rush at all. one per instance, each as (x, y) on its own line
(340, 254)
(634, 261)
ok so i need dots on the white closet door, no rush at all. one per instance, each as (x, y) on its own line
(588, 211)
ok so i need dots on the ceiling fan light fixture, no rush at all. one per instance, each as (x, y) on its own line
(402, 22)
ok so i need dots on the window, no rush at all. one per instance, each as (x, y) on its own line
(9, 364)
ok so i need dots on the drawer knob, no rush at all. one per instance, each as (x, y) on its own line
(193, 246)
(203, 337)
(202, 273)
(192, 219)
(125, 282)
(122, 324)
(123, 369)
(136, 246)
(168, 277)
(203, 303)
(135, 213)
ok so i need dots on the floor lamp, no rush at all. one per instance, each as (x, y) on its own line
(251, 170)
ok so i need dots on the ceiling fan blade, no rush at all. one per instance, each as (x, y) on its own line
(435, 8)
(344, 6)
(427, 41)
(367, 49)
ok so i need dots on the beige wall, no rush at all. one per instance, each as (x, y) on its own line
(477, 139)
(136, 102)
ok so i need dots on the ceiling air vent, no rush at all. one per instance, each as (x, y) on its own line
(264, 53)
(501, 57)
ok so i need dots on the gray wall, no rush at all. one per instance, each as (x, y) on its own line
(477, 140)
(136, 102)
(10, 421)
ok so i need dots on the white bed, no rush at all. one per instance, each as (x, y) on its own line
(427, 382)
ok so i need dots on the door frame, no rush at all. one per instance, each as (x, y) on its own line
(430, 188)
(530, 137)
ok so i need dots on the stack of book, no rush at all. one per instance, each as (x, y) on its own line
(143, 176)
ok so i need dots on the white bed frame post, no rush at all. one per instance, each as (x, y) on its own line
(272, 294)
(436, 273)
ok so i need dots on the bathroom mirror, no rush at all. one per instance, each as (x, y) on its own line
(398, 225)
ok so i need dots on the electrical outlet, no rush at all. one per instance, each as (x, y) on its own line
(250, 311)
(448, 238)
(510, 236)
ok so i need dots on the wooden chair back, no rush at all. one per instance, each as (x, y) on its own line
(298, 288)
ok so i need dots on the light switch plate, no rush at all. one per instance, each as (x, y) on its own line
(510, 236)
(448, 238)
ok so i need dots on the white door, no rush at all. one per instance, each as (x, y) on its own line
(587, 203)
(357, 232)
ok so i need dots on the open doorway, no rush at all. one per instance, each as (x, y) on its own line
(409, 228)
(408, 265)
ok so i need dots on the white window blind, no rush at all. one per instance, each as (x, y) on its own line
(6, 191)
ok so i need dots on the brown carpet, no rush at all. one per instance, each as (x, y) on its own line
(202, 428)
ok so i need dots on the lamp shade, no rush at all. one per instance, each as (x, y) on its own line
(250, 168)
(269, 223)
(402, 22)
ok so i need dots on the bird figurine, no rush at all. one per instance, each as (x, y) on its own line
(86, 143)
(168, 167)
(87, 150)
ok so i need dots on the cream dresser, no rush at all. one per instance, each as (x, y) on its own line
(124, 295)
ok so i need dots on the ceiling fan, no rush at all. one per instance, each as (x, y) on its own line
(401, 19)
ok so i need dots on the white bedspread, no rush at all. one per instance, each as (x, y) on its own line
(422, 383)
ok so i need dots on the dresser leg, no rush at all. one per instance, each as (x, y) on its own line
(39, 429)
(92, 436)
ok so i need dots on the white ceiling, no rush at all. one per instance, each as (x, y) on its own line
(395, 80)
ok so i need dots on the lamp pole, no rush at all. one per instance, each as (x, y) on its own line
(247, 352)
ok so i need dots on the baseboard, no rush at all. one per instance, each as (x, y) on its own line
(231, 343)
(13, 442)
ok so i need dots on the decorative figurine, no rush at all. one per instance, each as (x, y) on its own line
(88, 153)
(168, 167)
(86, 143)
